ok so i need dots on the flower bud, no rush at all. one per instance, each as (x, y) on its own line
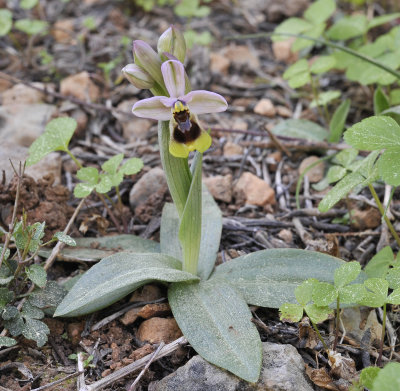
(172, 41)
(138, 77)
(146, 58)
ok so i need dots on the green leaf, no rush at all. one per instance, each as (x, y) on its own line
(325, 98)
(298, 74)
(394, 96)
(217, 323)
(323, 64)
(381, 101)
(338, 121)
(348, 27)
(116, 276)
(335, 173)
(269, 278)
(394, 297)
(388, 378)
(291, 26)
(47, 297)
(352, 294)
(347, 273)
(368, 375)
(31, 26)
(5, 21)
(393, 278)
(56, 137)
(37, 275)
(5, 297)
(314, 32)
(64, 238)
(112, 164)
(190, 227)
(379, 263)
(324, 293)
(320, 11)
(14, 325)
(90, 177)
(382, 19)
(340, 190)
(82, 190)
(374, 133)
(107, 181)
(291, 312)
(300, 128)
(28, 4)
(317, 314)
(35, 330)
(377, 292)
(211, 227)
(304, 291)
(7, 342)
(10, 312)
(389, 166)
(132, 166)
(30, 311)
(346, 157)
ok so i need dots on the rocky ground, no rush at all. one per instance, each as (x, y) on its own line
(251, 174)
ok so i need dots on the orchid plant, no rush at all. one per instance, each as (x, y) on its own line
(210, 304)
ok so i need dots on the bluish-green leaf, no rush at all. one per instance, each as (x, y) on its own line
(37, 275)
(64, 238)
(217, 323)
(56, 137)
(300, 128)
(269, 277)
(35, 330)
(374, 133)
(7, 342)
(116, 276)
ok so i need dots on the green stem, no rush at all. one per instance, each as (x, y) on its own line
(323, 42)
(337, 323)
(379, 362)
(382, 211)
(74, 158)
(319, 336)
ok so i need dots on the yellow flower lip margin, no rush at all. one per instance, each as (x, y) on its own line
(161, 108)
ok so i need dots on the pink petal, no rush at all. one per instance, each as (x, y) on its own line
(174, 78)
(202, 102)
(152, 108)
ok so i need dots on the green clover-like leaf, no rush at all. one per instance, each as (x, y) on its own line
(347, 273)
(112, 164)
(316, 313)
(352, 294)
(376, 294)
(291, 312)
(303, 292)
(324, 294)
(132, 166)
(5, 21)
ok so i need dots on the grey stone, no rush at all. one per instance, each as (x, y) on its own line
(149, 184)
(282, 370)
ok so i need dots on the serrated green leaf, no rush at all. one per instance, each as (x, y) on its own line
(393, 278)
(10, 312)
(389, 166)
(217, 323)
(379, 263)
(388, 378)
(7, 342)
(336, 125)
(300, 128)
(35, 330)
(132, 166)
(335, 174)
(317, 314)
(291, 26)
(291, 312)
(56, 137)
(30, 311)
(269, 278)
(5, 21)
(374, 133)
(190, 227)
(346, 273)
(377, 291)
(381, 101)
(116, 276)
(31, 26)
(323, 64)
(348, 27)
(112, 164)
(37, 275)
(47, 297)
(346, 157)
(320, 11)
(64, 238)
(324, 294)
(324, 98)
(5, 297)
(352, 294)
(340, 190)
